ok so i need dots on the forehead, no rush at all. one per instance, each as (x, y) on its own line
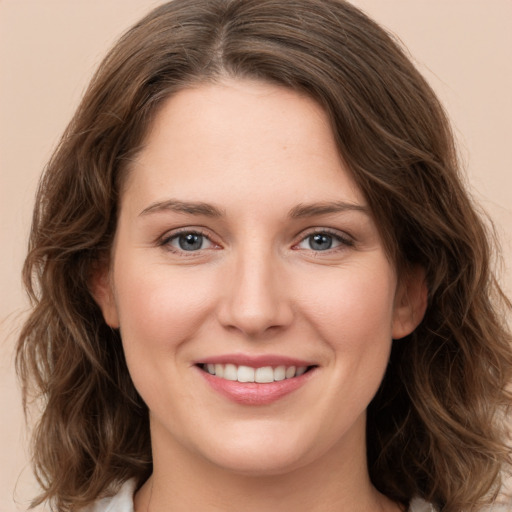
(244, 138)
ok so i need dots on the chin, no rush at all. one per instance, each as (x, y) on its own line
(259, 465)
(264, 455)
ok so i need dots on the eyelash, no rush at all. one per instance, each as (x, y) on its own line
(165, 241)
(344, 240)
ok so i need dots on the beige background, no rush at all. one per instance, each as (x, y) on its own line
(48, 50)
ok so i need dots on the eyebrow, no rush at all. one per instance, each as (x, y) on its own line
(208, 210)
(325, 208)
(191, 208)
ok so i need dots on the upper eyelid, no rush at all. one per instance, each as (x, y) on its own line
(169, 235)
(165, 242)
(344, 240)
(199, 230)
(343, 235)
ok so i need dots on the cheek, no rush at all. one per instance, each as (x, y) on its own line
(161, 307)
(357, 328)
(353, 306)
(353, 319)
(160, 310)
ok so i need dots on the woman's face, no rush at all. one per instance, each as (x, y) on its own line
(245, 252)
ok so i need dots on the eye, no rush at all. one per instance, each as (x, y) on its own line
(323, 241)
(189, 241)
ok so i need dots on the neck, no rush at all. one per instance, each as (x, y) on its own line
(183, 481)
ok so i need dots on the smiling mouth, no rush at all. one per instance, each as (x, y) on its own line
(260, 375)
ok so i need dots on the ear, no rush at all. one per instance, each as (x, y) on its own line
(410, 302)
(101, 289)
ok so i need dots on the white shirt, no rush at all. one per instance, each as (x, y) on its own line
(123, 502)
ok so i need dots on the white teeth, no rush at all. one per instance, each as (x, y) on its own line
(230, 372)
(261, 375)
(265, 374)
(280, 373)
(300, 370)
(219, 370)
(290, 372)
(245, 374)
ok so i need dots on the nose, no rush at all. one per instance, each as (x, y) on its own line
(256, 298)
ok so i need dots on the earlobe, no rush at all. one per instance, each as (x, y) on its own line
(102, 291)
(410, 303)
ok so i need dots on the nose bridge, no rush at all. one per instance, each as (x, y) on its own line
(256, 298)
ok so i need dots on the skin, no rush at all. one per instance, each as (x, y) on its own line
(256, 153)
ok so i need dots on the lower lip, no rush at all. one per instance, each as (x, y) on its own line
(253, 393)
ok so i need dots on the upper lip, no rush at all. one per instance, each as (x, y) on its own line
(255, 361)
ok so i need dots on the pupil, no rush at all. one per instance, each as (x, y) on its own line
(321, 242)
(190, 242)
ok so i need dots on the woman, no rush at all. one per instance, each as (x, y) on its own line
(265, 280)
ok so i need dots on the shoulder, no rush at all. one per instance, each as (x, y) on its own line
(121, 502)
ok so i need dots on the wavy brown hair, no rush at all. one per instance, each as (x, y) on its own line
(436, 427)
